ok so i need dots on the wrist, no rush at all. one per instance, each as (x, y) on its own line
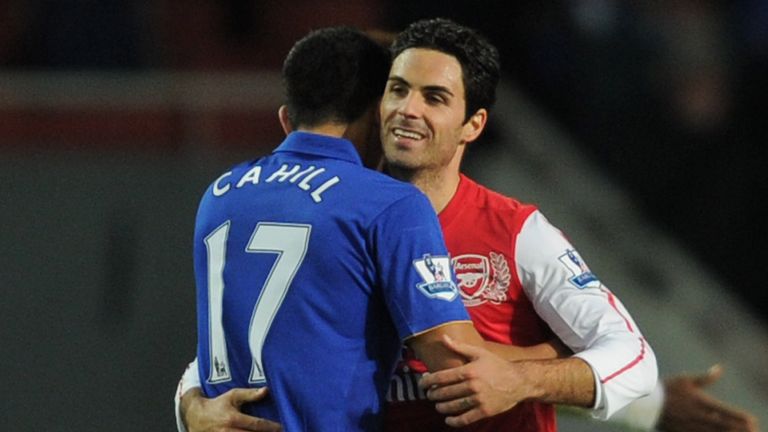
(560, 381)
(190, 400)
(532, 387)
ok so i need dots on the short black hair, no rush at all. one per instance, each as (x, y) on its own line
(333, 74)
(479, 59)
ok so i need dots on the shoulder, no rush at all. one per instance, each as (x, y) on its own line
(540, 242)
(503, 203)
(502, 209)
(222, 179)
(382, 198)
(378, 187)
(489, 199)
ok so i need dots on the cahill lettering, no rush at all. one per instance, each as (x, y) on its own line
(310, 179)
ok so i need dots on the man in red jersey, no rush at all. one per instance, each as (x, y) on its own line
(522, 282)
(521, 278)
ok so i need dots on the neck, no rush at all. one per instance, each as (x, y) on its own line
(439, 186)
(330, 129)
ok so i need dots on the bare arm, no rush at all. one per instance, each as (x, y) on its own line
(489, 385)
(196, 413)
(222, 413)
(551, 349)
(430, 348)
(200, 414)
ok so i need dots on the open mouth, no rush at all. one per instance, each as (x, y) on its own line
(407, 135)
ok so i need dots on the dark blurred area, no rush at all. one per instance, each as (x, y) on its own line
(135, 35)
(668, 98)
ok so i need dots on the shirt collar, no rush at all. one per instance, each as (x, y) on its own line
(465, 194)
(320, 145)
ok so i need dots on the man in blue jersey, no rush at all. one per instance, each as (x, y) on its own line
(311, 270)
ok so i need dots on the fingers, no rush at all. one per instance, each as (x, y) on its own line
(730, 419)
(689, 407)
(714, 422)
(465, 419)
(244, 423)
(450, 392)
(709, 377)
(255, 424)
(240, 396)
(239, 421)
(442, 378)
(471, 352)
(456, 406)
(744, 423)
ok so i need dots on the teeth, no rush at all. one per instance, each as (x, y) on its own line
(407, 134)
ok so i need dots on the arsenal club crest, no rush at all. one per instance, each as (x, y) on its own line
(482, 279)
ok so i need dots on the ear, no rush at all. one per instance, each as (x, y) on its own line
(475, 125)
(285, 122)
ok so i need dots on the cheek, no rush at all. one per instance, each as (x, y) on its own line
(386, 107)
(452, 134)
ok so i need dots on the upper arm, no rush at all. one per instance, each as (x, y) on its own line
(413, 266)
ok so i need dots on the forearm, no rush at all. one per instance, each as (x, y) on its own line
(430, 348)
(489, 384)
(567, 381)
(551, 349)
(188, 399)
(196, 412)
(190, 381)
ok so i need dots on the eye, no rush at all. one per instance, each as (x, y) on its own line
(435, 98)
(397, 89)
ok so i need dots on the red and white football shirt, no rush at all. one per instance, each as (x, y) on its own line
(521, 281)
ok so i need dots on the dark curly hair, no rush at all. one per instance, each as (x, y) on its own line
(478, 58)
(333, 74)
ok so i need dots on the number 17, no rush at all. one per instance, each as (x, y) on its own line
(290, 242)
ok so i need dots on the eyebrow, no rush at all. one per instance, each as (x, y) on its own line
(429, 88)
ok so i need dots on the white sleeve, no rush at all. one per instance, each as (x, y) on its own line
(189, 380)
(644, 413)
(585, 315)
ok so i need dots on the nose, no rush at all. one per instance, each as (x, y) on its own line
(411, 106)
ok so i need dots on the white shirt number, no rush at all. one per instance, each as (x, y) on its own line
(290, 243)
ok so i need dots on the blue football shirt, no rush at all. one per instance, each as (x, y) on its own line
(310, 271)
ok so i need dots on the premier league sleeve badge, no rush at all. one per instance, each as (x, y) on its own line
(435, 271)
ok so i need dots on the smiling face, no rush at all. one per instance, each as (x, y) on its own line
(423, 111)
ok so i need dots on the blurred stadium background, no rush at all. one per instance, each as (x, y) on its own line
(636, 126)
